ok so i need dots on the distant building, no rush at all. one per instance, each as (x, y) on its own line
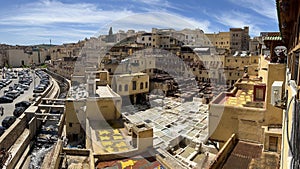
(26, 56)
(248, 113)
(237, 39)
(220, 40)
(131, 87)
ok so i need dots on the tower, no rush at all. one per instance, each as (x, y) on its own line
(110, 32)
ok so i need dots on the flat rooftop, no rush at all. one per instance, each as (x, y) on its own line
(106, 92)
(112, 140)
(108, 138)
(242, 98)
(131, 74)
(137, 162)
(172, 120)
(80, 92)
(251, 156)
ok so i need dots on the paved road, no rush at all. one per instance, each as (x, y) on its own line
(9, 107)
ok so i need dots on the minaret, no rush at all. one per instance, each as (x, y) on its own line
(110, 31)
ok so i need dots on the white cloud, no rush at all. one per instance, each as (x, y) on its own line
(49, 12)
(155, 4)
(265, 8)
(47, 18)
(239, 20)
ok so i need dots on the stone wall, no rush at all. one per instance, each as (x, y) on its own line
(221, 157)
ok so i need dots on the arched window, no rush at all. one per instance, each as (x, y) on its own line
(120, 88)
(146, 85)
(126, 87)
(133, 85)
(141, 85)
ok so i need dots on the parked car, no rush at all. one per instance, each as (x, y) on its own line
(5, 99)
(36, 95)
(3, 83)
(38, 89)
(13, 94)
(10, 95)
(6, 90)
(2, 130)
(8, 121)
(25, 104)
(21, 90)
(18, 111)
(25, 87)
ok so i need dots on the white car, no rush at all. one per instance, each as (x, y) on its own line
(20, 90)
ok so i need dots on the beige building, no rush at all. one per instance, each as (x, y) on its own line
(131, 87)
(288, 16)
(168, 38)
(93, 100)
(254, 45)
(66, 50)
(247, 108)
(194, 37)
(64, 67)
(145, 39)
(26, 57)
(93, 120)
(220, 40)
(237, 39)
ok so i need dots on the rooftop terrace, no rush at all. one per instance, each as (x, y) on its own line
(136, 162)
(250, 155)
(242, 95)
(109, 137)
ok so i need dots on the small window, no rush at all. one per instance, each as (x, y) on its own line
(146, 85)
(230, 74)
(70, 124)
(126, 87)
(120, 88)
(141, 85)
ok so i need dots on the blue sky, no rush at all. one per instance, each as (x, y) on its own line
(27, 22)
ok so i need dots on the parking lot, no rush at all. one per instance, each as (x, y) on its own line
(9, 107)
